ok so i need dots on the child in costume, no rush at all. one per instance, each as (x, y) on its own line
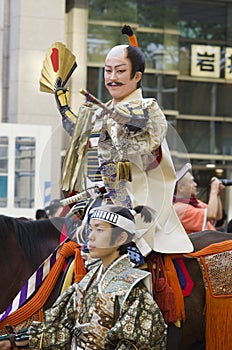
(111, 308)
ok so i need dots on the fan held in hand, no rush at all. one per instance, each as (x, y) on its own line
(58, 66)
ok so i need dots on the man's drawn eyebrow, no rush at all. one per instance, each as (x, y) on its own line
(119, 65)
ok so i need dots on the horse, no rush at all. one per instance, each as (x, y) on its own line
(25, 244)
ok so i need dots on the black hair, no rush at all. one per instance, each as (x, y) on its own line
(40, 214)
(135, 55)
(126, 213)
(139, 209)
(115, 233)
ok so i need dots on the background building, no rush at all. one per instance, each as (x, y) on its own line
(188, 49)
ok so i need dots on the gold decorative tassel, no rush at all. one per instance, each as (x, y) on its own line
(124, 171)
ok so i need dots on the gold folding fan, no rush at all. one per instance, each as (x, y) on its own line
(58, 66)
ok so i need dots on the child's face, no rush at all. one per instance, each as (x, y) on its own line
(99, 243)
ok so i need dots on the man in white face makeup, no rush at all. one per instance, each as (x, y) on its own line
(134, 159)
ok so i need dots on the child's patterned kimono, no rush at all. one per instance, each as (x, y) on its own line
(110, 311)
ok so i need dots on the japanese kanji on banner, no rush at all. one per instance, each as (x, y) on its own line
(205, 61)
(228, 63)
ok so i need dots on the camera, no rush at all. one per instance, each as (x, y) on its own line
(226, 182)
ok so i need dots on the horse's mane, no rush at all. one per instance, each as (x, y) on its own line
(31, 235)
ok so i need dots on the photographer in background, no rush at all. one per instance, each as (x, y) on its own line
(194, 214)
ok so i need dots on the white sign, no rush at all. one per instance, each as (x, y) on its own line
(205, 61)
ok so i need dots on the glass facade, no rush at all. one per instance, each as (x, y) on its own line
(123, 10)
(203, 20)
(205, 123)
(157, 14)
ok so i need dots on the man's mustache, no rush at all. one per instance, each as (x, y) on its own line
(114, 83)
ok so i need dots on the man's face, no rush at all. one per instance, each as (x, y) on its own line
(117, 74)
(188, 186)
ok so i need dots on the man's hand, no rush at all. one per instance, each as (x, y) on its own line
(120, 119)
(216, 185)
(62, 98)
(132, 114)
(121, 114)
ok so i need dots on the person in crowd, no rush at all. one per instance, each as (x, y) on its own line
(111, 307)
(134, 158)
(194, 214)
(41, 214)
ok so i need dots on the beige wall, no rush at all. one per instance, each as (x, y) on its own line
(27, 29)
(34, 27)
(76, 35)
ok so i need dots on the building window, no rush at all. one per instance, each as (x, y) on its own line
(194, 98)
(161, 50)
(95, 83)
(163, 88)
(202, 20)
(123, 10)
(223, 100)
(24, 172)
(100, 40)
(223, 132)
(4, 147)
(202, 23)
(158, 14)
(195, 135)
(206, 137)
